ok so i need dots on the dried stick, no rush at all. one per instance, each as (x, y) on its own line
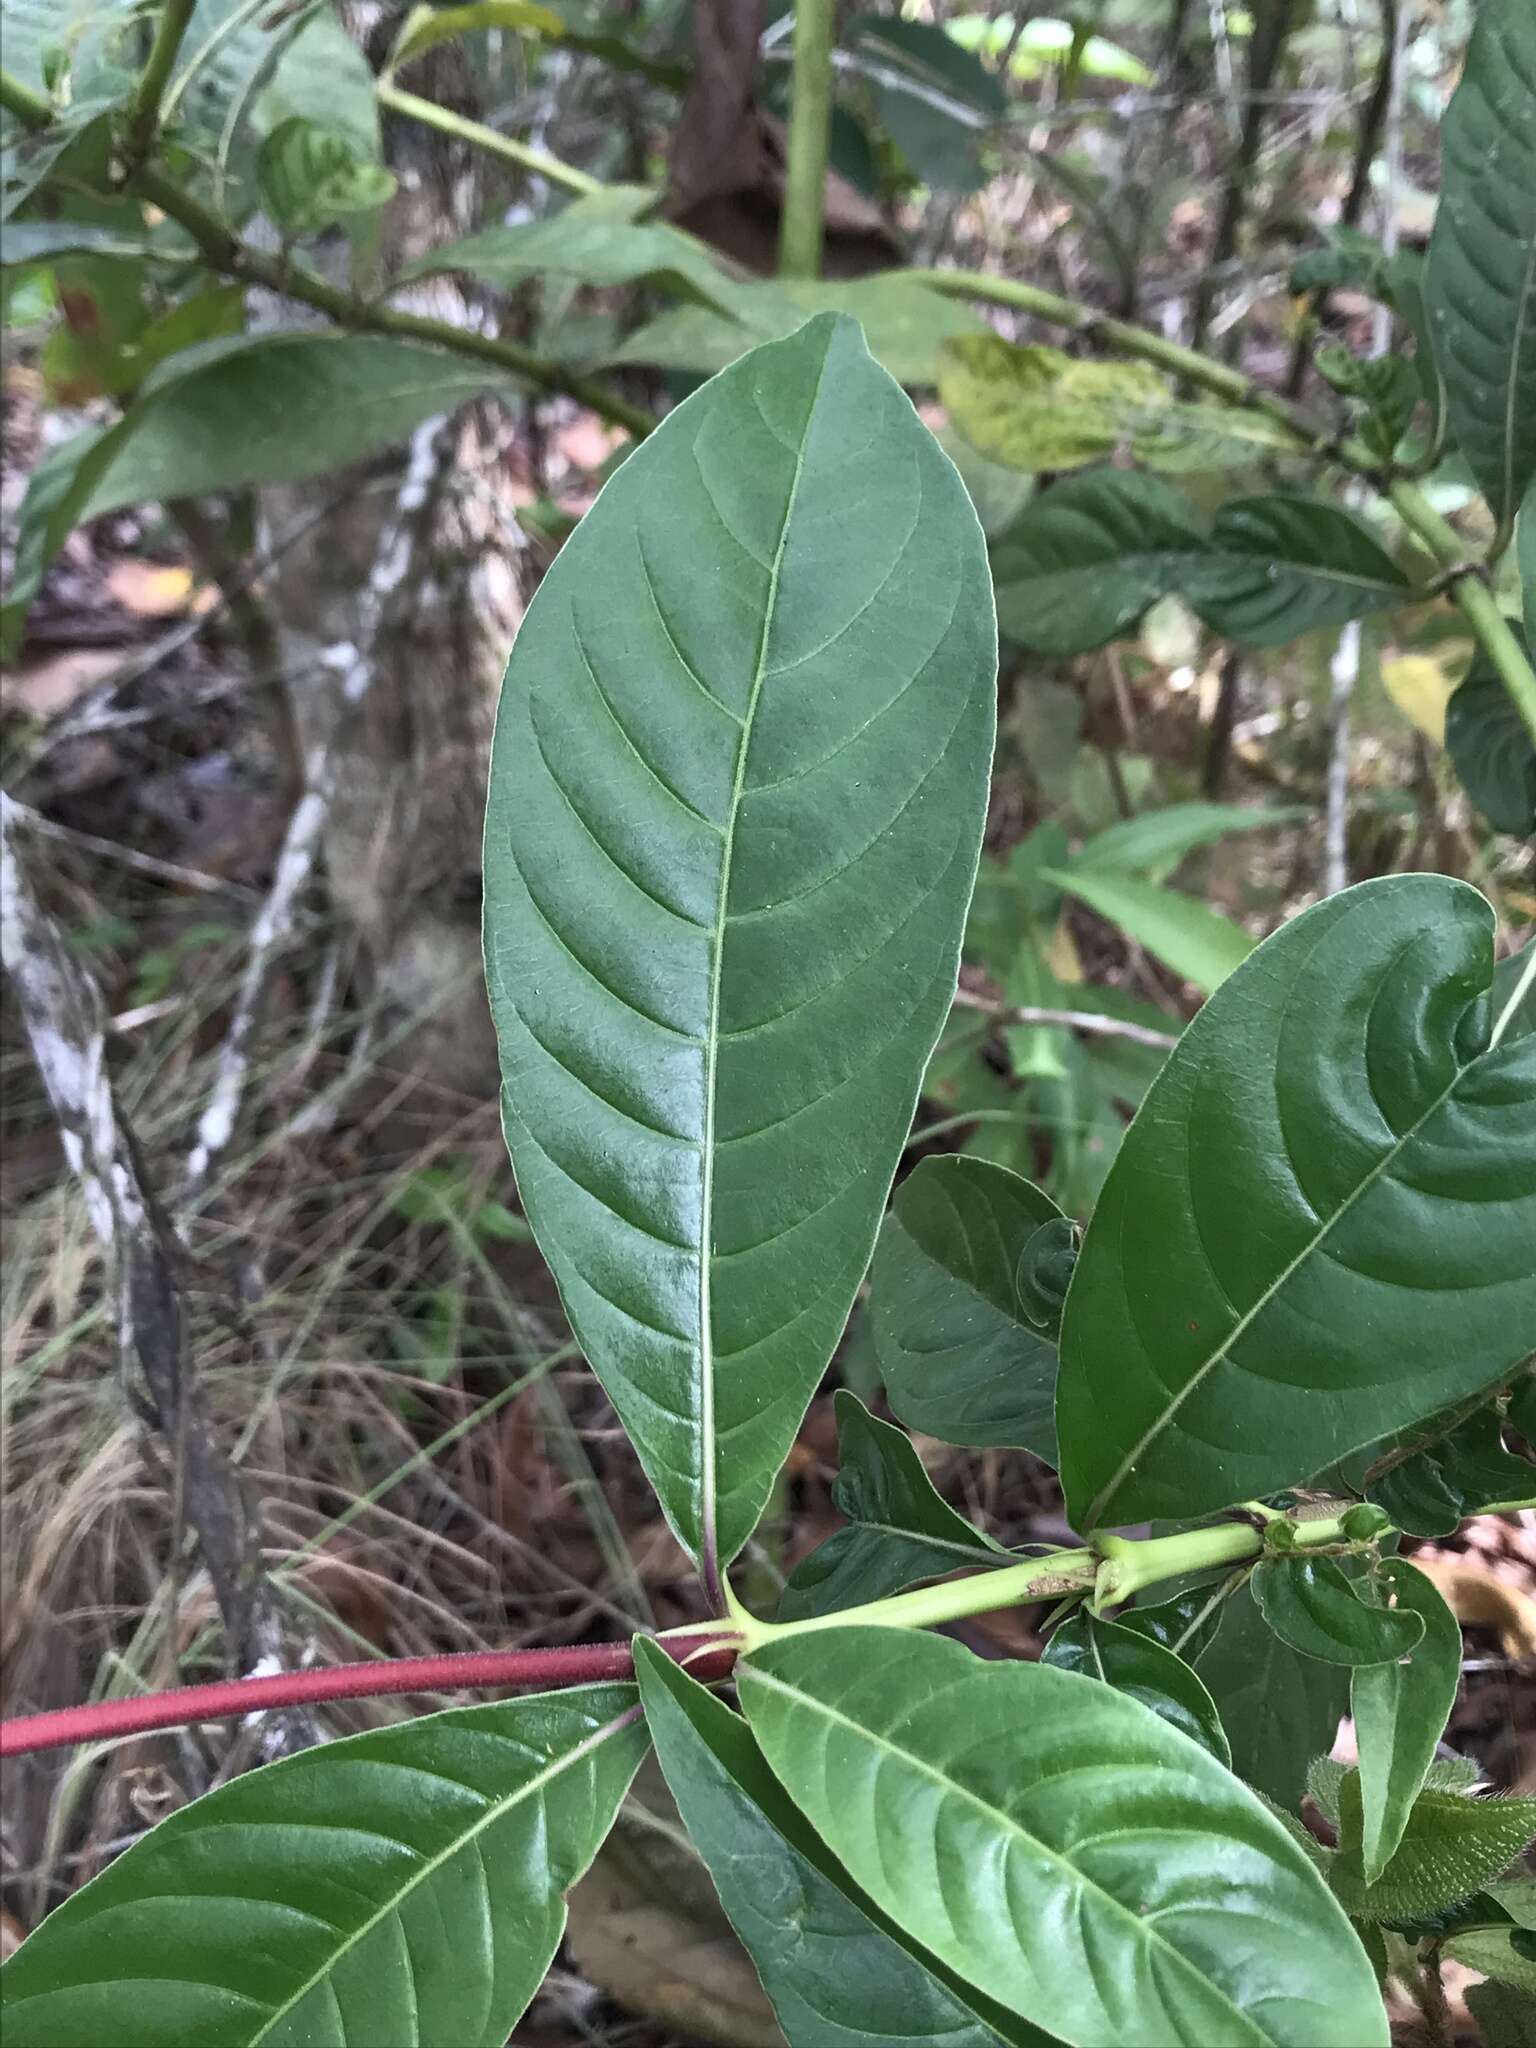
(65, 1021)
(1090, 1021)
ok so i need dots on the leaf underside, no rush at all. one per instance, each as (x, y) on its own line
(735, 814)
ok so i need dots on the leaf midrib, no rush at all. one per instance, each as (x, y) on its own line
(497, 1811)
(1143, 1928)
(1307, 1251)
(708, 1473)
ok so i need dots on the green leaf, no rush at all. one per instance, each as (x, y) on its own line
(1185, 934)
(1284, 565)
(592, 241)
(1134, 1663)
(1044, 1274)
(1058, 1845)
(40, 241)
(901, 1530)
(735, 809)
(1279, 1710)
(1400, 1711)
(934, 99)
(1318, 1228)
(1037, 408)
(1525, 562)
(414, 1875)
(962, 1360)
(1491, 748)
(311, 178)
(1154, 842)
(1480, 286)
(1318, 1612)
(1186, 1625)
(1462, 1473)
(904, 324)
(1452, 1845)
(1505, 2016)
(838, 1972)
(265, 409)
(425, 27)
(1085, 559)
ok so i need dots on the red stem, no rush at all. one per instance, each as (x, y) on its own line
(580, 1665)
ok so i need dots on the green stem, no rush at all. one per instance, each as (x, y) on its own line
(1472, 596)
(223, 251)
(1113, 1571)
(144, 117)
(480, 136)
(810, 119)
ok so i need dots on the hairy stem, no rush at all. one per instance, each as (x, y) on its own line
(523, 154)
(810, 118)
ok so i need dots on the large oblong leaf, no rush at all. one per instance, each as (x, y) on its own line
(962, 1358)
(1319, 1226)
(1137, 1664)
(838, 1973)
(1059, 1846)
(408, 1879)
(1491, 748)
(735, 813)
(1480, 284)
(1279, 1710)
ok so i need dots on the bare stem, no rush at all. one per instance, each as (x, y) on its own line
(144, 117)
(810, 117)
(523, 154)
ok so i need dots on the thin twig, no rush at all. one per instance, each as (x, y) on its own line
(1090, 1021)
(65, 1021)
(430, 449)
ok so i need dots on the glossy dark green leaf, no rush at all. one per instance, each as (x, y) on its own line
(1480, 286)
(1187, 1624)
(1400, 1710)
(1453, 1843)
(900, 1530)
(1491, 748)
(839, 1974)
(1134, 1663)
(263, 409)
(1318, 1229)
(596, 240)
(1279, 1710)
(1283, 565)
(1044, 1274)
(1059, 1846)
(1313, 1607)
(1185, 934)
(735, 809)
(413, 1876)
(1462, 1473)
(1084, 560)
(961, 1358)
